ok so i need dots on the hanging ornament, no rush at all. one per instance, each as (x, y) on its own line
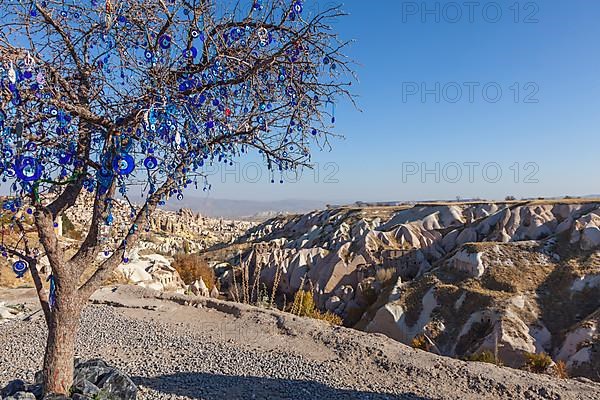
(19, 268)
(52, 294)
(40, 78)
(12, 74)
(192, 52)
(333, 113)
(109, 15)
(28, 169)
(28, 60)
(264, 36)
(147, 118)
(150, 162)
(165, 41)
(104, 177)
(298, 7)
(64, 157)
(123, 164)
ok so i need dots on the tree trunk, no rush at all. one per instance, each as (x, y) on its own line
(60, 347)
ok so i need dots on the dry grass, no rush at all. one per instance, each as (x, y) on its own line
(420, 342)
(224, 252)
(8, 279)
(385, 275)
(192, 267)
(119, 278)
(304, 306)
(527, 269)
(560, 370)
(412, 298)
(69, 230)
(485, 357)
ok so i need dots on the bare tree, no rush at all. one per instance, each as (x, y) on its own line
(104, 96)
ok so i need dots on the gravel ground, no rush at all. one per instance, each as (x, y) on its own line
(173, 351)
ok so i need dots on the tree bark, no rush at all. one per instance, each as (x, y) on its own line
(60, 346)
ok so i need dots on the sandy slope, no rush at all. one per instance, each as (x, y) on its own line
(215, 350)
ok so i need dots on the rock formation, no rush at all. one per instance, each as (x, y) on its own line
(167, 232)
(510, 278)
(199, 288)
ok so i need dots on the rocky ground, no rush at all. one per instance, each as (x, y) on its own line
(177, 347)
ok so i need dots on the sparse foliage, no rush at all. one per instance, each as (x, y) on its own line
(485, 357)
(304, 306)
(105, 96)
(537, 362)
(191, 267)
(420, 342)
(560, 370)
(69, 229)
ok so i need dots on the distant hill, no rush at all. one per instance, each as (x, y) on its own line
(247, 209)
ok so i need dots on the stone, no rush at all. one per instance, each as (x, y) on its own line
(86, 388)
(199, 288)
(91, 373)
(117, 385)
(345, 293)
(21, 396)
(93, 379)
(13, 387)
(39, 377)
(7, 312)
(590, 238)
(94, 362)
(37, 390)
(332, 303)
(77, 396)
(469, 262)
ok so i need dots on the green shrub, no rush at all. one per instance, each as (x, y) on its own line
(538, 363)
(304, 306)
(484, 356)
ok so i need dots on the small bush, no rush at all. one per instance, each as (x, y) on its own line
(304, 306)
(192, 267)
(384, 275)
(69, 230)
(560, 370)
(484, 356)
(304, 303)
(327, 316)
(538, 363)
(420, 342)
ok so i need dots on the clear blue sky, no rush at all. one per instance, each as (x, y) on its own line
(555, 61)
(549, 133)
